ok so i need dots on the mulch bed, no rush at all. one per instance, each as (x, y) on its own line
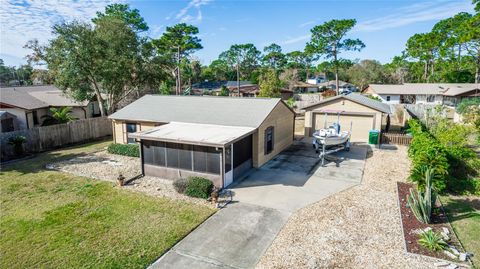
(411, 224)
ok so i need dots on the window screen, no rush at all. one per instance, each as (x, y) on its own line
(206, 159)
(172, 155)
(154, 153)
(185, 156)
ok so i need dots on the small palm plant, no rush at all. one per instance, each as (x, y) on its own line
(59, 115)
(17, 143)
(432, 240)
(422, 203)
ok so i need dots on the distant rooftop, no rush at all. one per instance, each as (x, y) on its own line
(34, 97)
(448, 89)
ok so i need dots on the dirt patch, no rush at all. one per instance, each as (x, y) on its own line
(412, 227)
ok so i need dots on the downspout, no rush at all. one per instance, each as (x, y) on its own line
(84, 112)
(141, 158)
(26, 119)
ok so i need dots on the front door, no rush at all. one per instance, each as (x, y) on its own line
(228, 166)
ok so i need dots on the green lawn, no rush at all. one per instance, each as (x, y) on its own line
(55, 220)
(464, 215)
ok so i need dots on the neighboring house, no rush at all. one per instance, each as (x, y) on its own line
(247, 88)
(317, 79)
(30, 103)
(343, 87)
(424, 93)
(302, 87)
(361, 113)
(219, 138)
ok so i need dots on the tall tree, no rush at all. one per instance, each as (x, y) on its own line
(366, 72)
(244, 57)
(424, 47)
(274, 58)
(177, 43)
(300, 60)
(122, 11)
(329, 40)
(270, 84)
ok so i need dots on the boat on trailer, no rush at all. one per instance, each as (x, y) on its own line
(331, 139)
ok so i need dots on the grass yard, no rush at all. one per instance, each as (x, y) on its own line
(464, 215)
(51, 219)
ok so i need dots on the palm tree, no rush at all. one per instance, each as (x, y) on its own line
(59, 115)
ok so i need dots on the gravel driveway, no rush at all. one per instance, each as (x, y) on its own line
(357, 228)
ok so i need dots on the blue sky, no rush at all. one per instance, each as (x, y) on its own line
(384, 26)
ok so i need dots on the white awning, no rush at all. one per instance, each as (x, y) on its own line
(194, 133)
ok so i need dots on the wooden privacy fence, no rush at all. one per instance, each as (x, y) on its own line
(50, 137)
(395, 138)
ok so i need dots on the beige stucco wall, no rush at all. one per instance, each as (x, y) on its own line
(282, 119)
(120, 129)
(361, 125)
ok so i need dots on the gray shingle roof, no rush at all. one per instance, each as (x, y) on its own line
(230, 111)
(357, 98)
(449, 89)
(33, 97)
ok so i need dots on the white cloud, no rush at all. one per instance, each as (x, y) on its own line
(22, 21)
(186, 14)
(293, 40)
(306, 24)
(419, 12)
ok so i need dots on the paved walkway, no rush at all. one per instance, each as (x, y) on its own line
(238, 235)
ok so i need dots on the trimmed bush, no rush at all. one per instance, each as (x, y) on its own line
(132, 150)
(199, 187)
(180, 185)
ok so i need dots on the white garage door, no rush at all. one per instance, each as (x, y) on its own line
(361, 124)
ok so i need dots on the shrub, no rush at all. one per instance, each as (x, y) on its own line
(17, 143)
(180, 185)
(432, 240)
(132, 150)
(421, 203)
(427, 153)
(199, 187)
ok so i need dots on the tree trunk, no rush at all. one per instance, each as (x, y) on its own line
(336, 70)
(477, 69)
(99, 98)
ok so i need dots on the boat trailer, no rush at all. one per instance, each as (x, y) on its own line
(325, 153)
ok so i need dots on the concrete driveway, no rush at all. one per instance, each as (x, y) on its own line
(295, 179)
(238, 235)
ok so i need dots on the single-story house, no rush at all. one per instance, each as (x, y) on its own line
(302, 87)
(317, 79)
(342, 86)
(247, 88)
(361, 113)
(30, 103)
(219, 138)
(449, 94)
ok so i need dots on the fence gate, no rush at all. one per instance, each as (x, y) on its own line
(395, 138)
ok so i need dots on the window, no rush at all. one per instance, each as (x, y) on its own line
(206, 159)
(430, 98)
(269, 140)
(131, 128)
(388, 98)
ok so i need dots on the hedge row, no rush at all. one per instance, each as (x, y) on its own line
(426, 152)
(132, 150)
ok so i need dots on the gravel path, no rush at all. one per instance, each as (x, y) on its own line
(357, 228)
(105, 166)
